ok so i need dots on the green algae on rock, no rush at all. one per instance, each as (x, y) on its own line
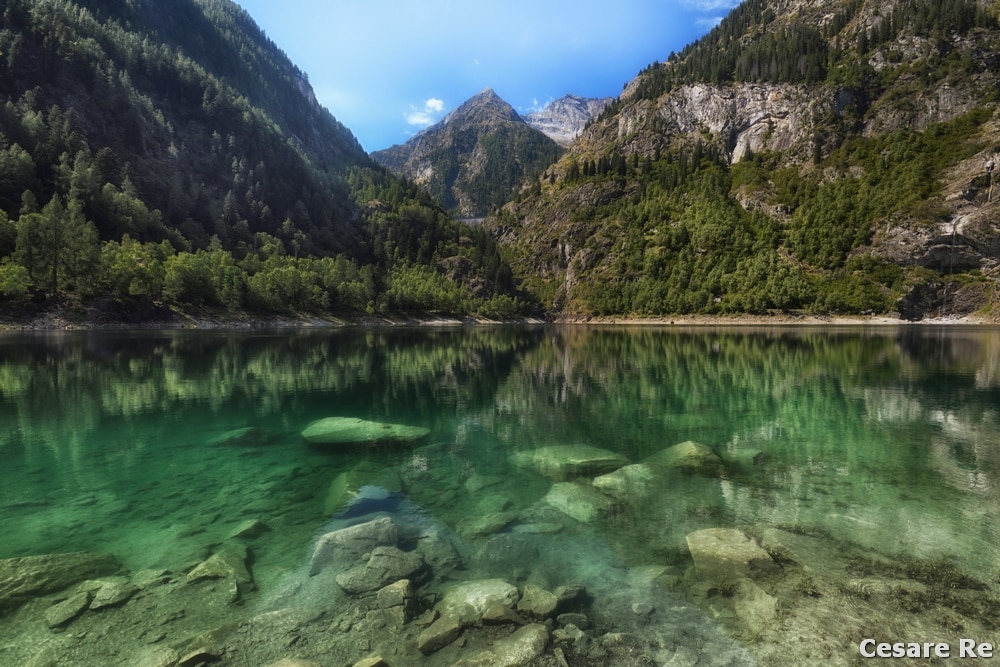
(351, 431)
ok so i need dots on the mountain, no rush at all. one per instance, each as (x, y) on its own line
(476, 159)
(562, 120)
(816, 155)
(169, 151)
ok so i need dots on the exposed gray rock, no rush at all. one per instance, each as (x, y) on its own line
(24, 578)
(563, 462)
(563, 119)
(727, 552)
(345, 547)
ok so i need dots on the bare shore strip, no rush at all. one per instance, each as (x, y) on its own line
(63, 318)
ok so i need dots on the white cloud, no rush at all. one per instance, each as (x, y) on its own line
(427, 115)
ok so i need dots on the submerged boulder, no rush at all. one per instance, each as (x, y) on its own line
(632, 481)
(521, 648)
(562, 462)
(351, 431)
(728, 552)
(347, 545)
(583, 503)
(690, 457)
(469, 600)
(385, 566)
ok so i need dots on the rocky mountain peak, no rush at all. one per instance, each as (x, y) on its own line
(483, 107)
(562, 120)
(475, 159)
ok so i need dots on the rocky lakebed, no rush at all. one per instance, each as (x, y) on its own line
(425, 560)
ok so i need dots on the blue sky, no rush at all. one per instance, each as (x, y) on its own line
(389, 68)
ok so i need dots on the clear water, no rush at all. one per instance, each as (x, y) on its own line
(878, 446)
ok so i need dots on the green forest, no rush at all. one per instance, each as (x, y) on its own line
(168, 156)
(169, 153)
(671, 225)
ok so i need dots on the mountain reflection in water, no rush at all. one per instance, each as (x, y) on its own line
(855, 469)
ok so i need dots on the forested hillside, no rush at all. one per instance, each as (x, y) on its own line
(168, 152)
(829, 156)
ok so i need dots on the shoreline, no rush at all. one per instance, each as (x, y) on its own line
(63, 319)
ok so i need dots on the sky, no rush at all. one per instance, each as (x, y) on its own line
(389, 68)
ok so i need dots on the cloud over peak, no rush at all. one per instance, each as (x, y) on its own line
(427, 115)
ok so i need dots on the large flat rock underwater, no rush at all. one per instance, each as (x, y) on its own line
(352, 432)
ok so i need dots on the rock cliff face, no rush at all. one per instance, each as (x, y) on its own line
(887, 71)
(562, 120)
(476, 159)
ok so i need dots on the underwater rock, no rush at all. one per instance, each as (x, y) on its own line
(24, 578)
(347, 431)
(230, 562)
(634, 480)
(295, 662)
(537, 602)
(386, 565)
(469, 600)
(727, 552)
(64, 612)
(754, 606)
(398, 595)
(488, 524)
(691, 457)
(110, 592)
(249, 529)
(373, 661)
(439, 634)
(520, 648)
(583, 503)
(563, 462)
(348, 545)
(251, 436)
(158, 656)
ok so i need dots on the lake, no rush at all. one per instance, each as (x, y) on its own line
(724, 495)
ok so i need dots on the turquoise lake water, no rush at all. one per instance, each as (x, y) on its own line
(879, 447)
